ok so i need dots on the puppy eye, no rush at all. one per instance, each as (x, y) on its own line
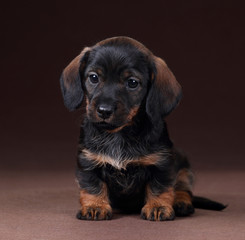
(93, 77)
(132, 83)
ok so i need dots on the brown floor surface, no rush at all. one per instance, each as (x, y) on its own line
(42, 206)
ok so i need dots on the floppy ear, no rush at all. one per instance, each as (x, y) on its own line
(164, 93)
(71, 83)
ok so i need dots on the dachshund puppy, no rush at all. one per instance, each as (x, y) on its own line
(125, 159)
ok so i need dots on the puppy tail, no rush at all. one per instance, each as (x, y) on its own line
(204, 203)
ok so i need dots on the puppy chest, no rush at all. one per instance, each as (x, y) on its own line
(122, 159)
(130, 181)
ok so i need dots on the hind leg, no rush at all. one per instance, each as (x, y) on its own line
(183, 195)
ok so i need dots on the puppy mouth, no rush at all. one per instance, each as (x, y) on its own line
(105, 125)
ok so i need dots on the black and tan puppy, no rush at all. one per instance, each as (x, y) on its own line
(126, 159)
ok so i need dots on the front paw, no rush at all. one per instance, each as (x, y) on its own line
(157, 213)
(95, 213)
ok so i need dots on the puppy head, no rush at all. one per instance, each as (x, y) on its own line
(117, 76)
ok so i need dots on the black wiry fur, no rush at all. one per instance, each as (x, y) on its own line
(136, 129)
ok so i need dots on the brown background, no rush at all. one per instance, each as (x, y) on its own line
(203, 42)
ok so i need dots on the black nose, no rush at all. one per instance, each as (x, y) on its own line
(104, 111)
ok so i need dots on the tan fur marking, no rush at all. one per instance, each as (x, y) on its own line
(182, 196)
(164, 200)
(119, 128)
(93, 203)
(131, 114)
(100, 159)
(87, 104)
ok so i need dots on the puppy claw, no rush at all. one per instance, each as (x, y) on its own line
(97, 214)
(109, 216)
(143, 215)
(94, 214)
(157, 213)
(80, 216)
(152, 214)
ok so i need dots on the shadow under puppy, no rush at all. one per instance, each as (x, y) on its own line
(126, 159)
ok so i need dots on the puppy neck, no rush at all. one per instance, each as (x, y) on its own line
(141, 131)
